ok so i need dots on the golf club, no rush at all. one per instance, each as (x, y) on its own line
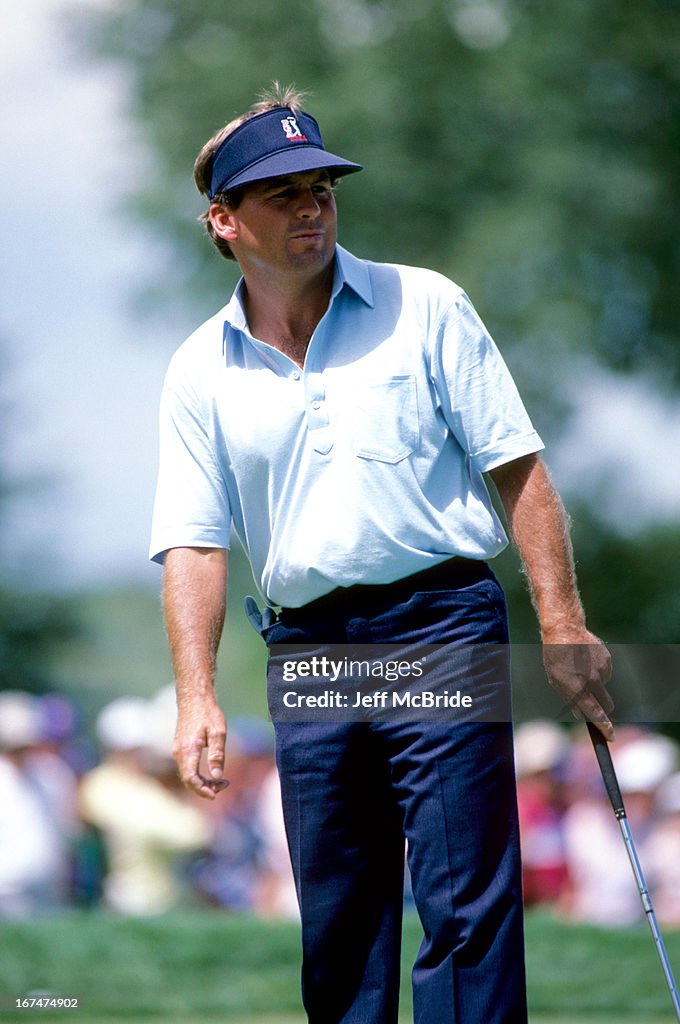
(604, 759)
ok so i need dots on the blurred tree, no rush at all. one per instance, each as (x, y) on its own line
(630, 586)
(528, 150)
(32, 625)
(632, 595)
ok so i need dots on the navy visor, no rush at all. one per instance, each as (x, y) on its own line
(277, 142)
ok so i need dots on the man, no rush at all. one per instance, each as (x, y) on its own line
(341, 415)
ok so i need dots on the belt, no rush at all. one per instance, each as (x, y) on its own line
(449, 575)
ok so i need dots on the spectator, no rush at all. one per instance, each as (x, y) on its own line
(34, 849)
(238, 872)
(277, 897)
(662, 854)
(603, 890)
(540, 750)
(147, 828)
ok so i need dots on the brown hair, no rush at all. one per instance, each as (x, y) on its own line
(269, 99)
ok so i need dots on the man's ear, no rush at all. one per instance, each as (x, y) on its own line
(223, 222)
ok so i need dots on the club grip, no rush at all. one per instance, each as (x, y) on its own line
(604, 759)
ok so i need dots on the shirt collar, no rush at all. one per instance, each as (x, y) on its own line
(234, 311)
(348, 271)
(354, 273)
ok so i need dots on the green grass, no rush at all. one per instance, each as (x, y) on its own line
(201, 968)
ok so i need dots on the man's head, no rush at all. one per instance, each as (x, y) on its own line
(274, 138)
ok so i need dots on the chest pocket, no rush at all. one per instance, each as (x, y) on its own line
(385, 420)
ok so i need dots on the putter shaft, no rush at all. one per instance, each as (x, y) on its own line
(649, 912)
(604, 759)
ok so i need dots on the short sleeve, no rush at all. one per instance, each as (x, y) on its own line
(191, 508)
(478, 396)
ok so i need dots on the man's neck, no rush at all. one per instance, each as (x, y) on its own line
(285, 313)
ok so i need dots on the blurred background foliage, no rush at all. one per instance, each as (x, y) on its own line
(528, 150)
(34, 627)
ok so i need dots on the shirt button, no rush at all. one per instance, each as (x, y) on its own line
(295, 374)
(316, 404)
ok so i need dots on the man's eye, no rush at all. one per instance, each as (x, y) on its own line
(322, 191)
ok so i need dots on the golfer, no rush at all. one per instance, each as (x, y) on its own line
(342, 416)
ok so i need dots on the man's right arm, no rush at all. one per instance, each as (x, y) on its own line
(194, 601)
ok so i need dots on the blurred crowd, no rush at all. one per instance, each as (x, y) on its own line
(101, 820)
(574, 856)
(108, 824)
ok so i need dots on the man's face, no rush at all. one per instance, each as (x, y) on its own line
(285, 224)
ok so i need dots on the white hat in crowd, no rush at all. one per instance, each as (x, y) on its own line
(540, 746)
(124, 724)
(643, 764)
(20, 720)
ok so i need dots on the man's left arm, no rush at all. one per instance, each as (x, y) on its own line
(577, 662)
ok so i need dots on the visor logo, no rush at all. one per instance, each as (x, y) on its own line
(290, 127)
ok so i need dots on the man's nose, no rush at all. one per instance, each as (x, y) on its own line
(307, 204)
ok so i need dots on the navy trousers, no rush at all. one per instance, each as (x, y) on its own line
(354, 791)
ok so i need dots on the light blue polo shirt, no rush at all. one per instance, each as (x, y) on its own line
(365, 466)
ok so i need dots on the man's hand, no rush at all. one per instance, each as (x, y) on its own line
(579, 667)
(201, 735)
